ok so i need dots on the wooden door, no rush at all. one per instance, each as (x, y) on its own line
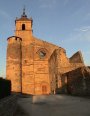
(44, 89)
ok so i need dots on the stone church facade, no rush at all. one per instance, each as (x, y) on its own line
(35, 66)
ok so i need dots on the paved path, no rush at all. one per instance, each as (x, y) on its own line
(54, 105)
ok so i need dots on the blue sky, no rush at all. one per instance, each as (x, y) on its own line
(65, 23)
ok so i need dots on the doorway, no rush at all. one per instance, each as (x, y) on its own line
(44, 89)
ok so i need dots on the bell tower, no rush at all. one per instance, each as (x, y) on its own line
(24, 27)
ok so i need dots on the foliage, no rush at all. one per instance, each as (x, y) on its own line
(5, 88)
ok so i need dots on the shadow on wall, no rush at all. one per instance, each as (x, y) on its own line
(74, 88)
(78, 83)
(62, 90)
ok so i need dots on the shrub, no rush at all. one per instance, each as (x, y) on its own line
(5, 88)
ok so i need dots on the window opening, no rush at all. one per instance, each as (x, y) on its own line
(23, 26)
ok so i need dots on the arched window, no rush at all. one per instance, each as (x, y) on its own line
(42, 54)
(23, 26)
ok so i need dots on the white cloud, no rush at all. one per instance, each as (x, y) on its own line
(83, 29)
(80, 35)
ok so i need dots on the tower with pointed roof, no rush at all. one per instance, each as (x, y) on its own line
(24, 26)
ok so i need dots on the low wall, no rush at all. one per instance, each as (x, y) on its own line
(38, 99)
(8, 105)
(78, 82)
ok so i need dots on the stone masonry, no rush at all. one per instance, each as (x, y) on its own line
(34, 66)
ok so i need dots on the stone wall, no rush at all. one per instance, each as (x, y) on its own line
(60, 64)
(26, 68)
(8, 105)
(76, 58)
(14, 62)
(35, 71)
(78, 81)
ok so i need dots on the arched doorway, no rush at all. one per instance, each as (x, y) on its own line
(44, 89)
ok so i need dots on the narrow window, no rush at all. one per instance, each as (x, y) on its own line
(23, 26)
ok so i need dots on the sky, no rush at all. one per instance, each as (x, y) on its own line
(65, 23)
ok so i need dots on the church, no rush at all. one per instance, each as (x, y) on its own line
(35, 66)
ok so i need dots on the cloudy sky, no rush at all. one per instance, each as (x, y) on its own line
(65, 23)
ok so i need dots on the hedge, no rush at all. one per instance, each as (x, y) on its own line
(5, 88)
